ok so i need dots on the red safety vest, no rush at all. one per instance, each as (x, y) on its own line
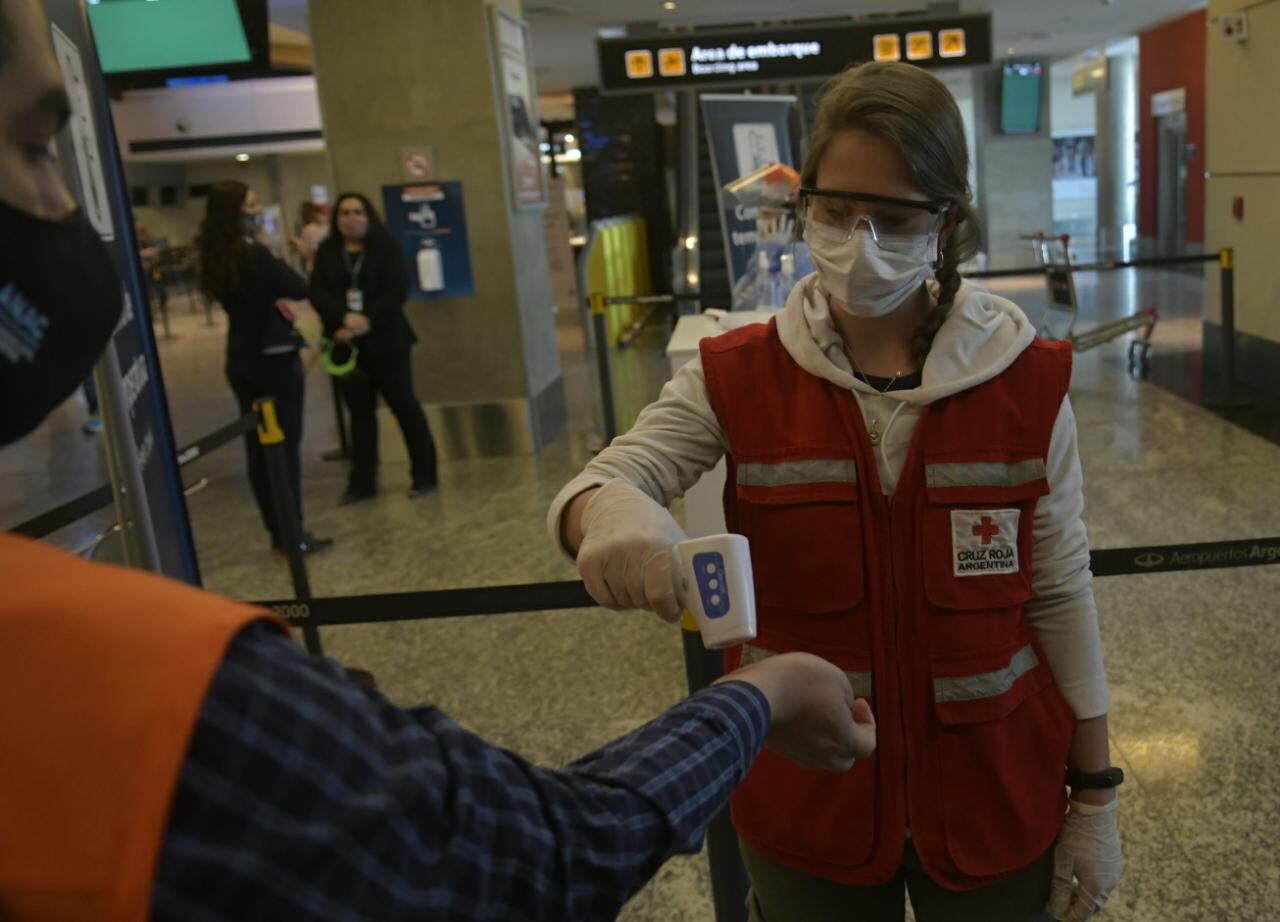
(918, 597)
(103, 672)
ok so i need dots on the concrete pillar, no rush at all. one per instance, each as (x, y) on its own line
(1115, 155)
(1014, 171)
(404, 73)
(1242, 208)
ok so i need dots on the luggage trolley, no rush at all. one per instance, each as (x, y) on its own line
(1059, 320)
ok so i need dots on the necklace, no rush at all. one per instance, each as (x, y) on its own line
(873, 423)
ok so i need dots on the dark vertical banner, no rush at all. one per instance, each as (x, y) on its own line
(743, 134)
(622, 166)
(146, 447)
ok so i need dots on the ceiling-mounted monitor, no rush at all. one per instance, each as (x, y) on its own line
(1020, 97)
(157, 39)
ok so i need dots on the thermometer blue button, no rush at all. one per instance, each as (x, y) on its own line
(715, 598)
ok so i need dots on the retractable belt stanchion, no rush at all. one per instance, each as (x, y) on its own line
(600, 324)
(343, 451)
(271, 437)
(729, 881)
(1227, 289)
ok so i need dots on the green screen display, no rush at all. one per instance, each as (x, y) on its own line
(1020, 98)
(141, 35)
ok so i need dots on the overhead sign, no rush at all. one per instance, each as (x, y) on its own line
(919, 46)
(639, 64)
(768, 55)
(1170, 102)
(888, 47)
(1089, 77)
(671, 62)
(951, 43)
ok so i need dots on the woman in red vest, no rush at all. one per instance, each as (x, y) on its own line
(901, 453)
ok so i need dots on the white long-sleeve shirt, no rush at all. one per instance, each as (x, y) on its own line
(679, 437)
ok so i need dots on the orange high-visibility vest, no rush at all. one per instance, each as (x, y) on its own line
(103, 672)
(918, 597)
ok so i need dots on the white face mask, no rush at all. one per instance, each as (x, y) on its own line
(867, 280)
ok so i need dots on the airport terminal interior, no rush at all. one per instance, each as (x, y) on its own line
(541, 162)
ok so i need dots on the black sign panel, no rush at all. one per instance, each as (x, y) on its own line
(815, 52)
(89, 151)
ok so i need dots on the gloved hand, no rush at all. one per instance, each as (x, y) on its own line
(1088, 850)
(626, 557)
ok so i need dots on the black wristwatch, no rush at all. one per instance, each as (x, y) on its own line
(1095, 781)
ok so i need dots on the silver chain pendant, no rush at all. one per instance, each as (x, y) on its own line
(873, 432)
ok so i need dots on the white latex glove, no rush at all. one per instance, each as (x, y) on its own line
(626, 557)
(1088, 852)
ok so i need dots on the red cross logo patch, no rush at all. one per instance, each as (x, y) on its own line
(984, 541)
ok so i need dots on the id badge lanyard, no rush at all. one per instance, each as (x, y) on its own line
(355, 297)
(325, 347)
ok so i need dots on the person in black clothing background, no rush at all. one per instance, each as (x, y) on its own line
(262, 345)
(359, 286)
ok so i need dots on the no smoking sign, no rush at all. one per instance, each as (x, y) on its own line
(417, 163)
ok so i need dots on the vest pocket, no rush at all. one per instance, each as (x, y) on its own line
(816, 818)
(807, 558)
(977, 551)
(1003, 737)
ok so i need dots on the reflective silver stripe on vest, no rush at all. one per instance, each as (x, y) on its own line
(786, 473)
(984, 474)
(986, 684)
(860, 682)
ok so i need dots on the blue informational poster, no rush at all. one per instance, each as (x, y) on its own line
(743, 133)
(429, 220)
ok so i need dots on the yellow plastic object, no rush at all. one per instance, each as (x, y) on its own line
(688, 622)
(619, 265)
(1226, 258)
(269, 431)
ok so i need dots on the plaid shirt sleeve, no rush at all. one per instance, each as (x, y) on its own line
(306, 797)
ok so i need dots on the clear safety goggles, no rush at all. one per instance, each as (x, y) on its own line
(897, 225)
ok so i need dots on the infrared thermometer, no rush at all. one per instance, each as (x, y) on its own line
(719, 590)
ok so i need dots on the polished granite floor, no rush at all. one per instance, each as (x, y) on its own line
(1192, 657)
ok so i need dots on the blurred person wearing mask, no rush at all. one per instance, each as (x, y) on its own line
(902, 456)
(262, 345)
(195, 763)
(151, 250)
(312, 231)
(359, 286)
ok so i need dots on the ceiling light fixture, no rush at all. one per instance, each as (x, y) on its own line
(242, 158)
(669, 6)
(569, 139)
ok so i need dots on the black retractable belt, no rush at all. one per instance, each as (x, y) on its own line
(59, 517)
(427, 606)
(1173, 558)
